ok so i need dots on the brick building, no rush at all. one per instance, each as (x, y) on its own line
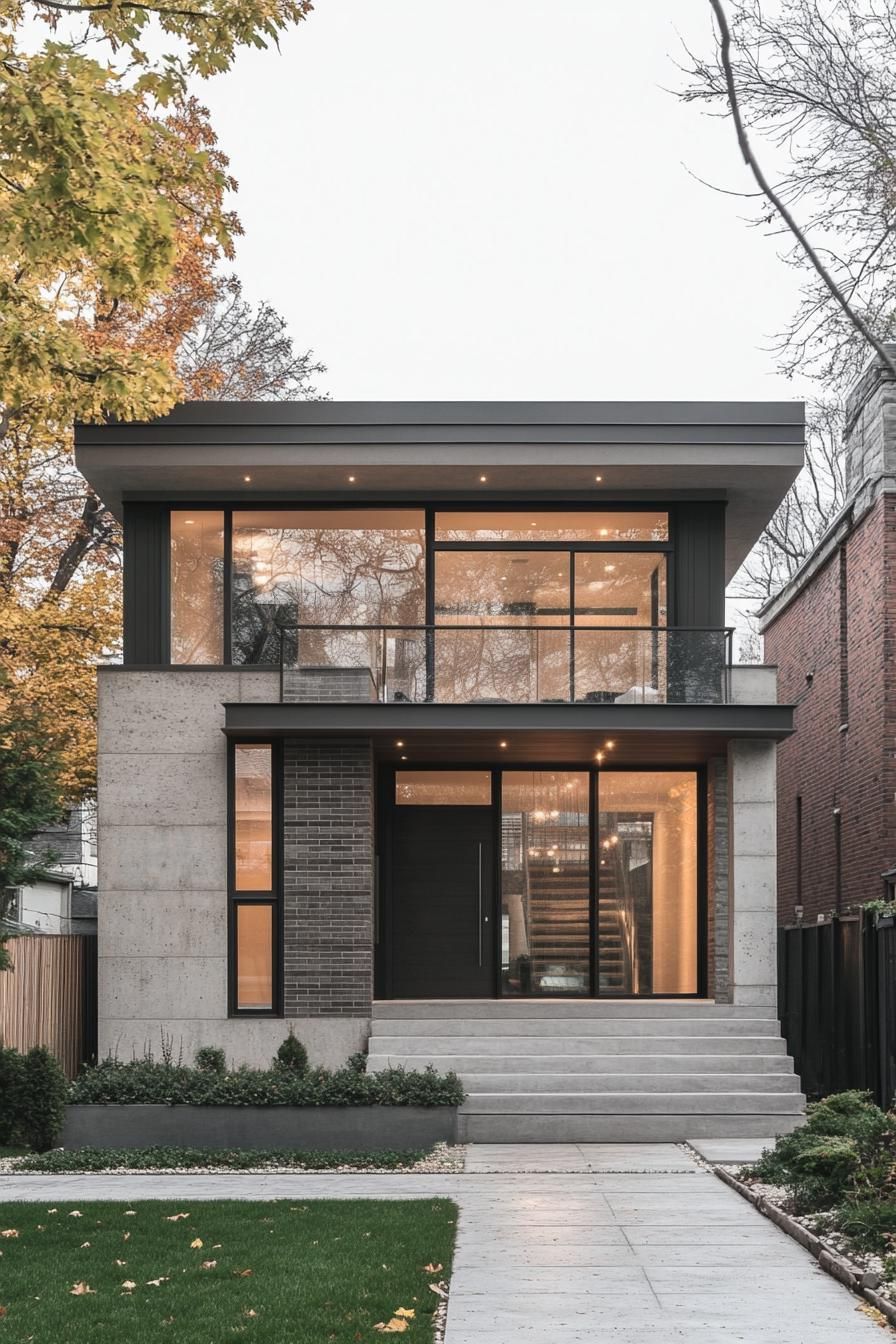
(831, 633)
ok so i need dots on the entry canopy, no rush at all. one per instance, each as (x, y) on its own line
(745, 453)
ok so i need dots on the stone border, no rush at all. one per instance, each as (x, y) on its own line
(841, 1269)
(327, 1128)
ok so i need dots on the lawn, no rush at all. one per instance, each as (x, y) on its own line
(283, 1272)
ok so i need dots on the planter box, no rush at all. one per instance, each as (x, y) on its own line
(325, 1128)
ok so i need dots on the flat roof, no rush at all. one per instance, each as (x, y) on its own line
(745, 453)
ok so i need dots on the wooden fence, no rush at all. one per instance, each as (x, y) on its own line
(49, 997)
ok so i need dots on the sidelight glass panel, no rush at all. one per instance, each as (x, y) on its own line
(197, 586)
(545, 883)
(543, 525)
(253, 809)
(443, 788)
(647, 882)
(620, 615)
(325, 567)
(255, 957)
(518, 602)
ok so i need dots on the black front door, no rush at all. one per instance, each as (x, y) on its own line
(441, 916)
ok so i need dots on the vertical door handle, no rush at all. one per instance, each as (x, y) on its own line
(479, 870)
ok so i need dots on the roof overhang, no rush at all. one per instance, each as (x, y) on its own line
(745, 453)
(550, 733)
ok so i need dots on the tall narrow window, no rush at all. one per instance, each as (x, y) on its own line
(254, 884)
(197, 586)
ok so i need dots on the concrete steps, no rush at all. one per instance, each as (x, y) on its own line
(599, 1071)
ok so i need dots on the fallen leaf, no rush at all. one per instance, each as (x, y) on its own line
(121, 1262)
(52, 1210)
(405, 1311)
(395, 1326)
(242, 1273)
(75, 1213)
(208, 1264)
(217, 1246)
(440, 1289)
(9, 1232)
(176, 1217)
(432, 1269)
(80, 1289)
(126, 1236)
(129, 1285)
(2, 1312)
(196, 1245)
(131, 1213)
(41, 1228)
(169, 1320)
(154, 1283)
(83, 1244)
(250, 1312)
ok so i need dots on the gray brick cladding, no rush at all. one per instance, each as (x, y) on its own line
(718, 931)
(328, 876)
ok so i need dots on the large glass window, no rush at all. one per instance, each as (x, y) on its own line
(323, 567)
(253, 813)
(197, 586)
(647, 882)
(545, 883)
(443, 788)
(254, 881)
(620, 609)
(254, 957)
(557, 525)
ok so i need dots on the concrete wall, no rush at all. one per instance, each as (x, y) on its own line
(752, 872)
(162, 835)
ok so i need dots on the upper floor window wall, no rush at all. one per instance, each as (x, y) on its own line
(328, 571)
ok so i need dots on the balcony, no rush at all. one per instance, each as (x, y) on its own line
(511, 664)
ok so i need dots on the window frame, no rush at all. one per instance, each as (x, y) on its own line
(272, 898)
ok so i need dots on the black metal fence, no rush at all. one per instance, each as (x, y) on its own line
(837, 1003)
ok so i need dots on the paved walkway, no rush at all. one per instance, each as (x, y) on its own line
(635, 1242)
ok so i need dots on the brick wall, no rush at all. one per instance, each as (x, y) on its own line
(718, 921)
(328, 876)
(840, 629)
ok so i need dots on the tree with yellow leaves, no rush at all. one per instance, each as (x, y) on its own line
(113, 218)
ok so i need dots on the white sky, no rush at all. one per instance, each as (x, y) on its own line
(491, 199)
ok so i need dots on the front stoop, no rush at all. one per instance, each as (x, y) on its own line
(559, 1071)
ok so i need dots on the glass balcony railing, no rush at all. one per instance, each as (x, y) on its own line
(505, 664)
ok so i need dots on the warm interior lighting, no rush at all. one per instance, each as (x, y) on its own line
(352, 479)
(502, 744)
(598, 756)
(443, 788)
(598, 479)
(404, 758)
(399, 744)
(483, 479)
(609, 745)
(189, 522)
(247, 478)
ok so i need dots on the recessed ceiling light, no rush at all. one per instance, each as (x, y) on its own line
(352, 479)
(502, 744)
(609, 745)
(598, 756)
(598, 479)
(399, 744)
(247, 478)
(483, 479)
(404, 758)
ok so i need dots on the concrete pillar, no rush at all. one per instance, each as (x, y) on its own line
(752, 872)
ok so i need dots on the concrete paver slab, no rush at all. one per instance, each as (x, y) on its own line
(731, 1150)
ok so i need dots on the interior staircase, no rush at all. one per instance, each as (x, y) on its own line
(579, 1071)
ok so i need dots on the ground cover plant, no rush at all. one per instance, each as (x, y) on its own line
(840, 1170)
(229, 1159)
(284, 1272)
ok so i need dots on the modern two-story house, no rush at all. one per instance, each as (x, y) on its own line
(427, 733)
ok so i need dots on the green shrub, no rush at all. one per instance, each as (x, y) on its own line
(825, 1172)
(145, 1080)
(853, 1115)
(870, 1223)
(42, 1096)
(292, 1055)
(357, 1062)
(210, 1059)
(10, 1083)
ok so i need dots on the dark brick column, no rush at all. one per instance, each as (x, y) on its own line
(328, 876)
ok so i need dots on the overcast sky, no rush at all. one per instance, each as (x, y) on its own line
(492, 199)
